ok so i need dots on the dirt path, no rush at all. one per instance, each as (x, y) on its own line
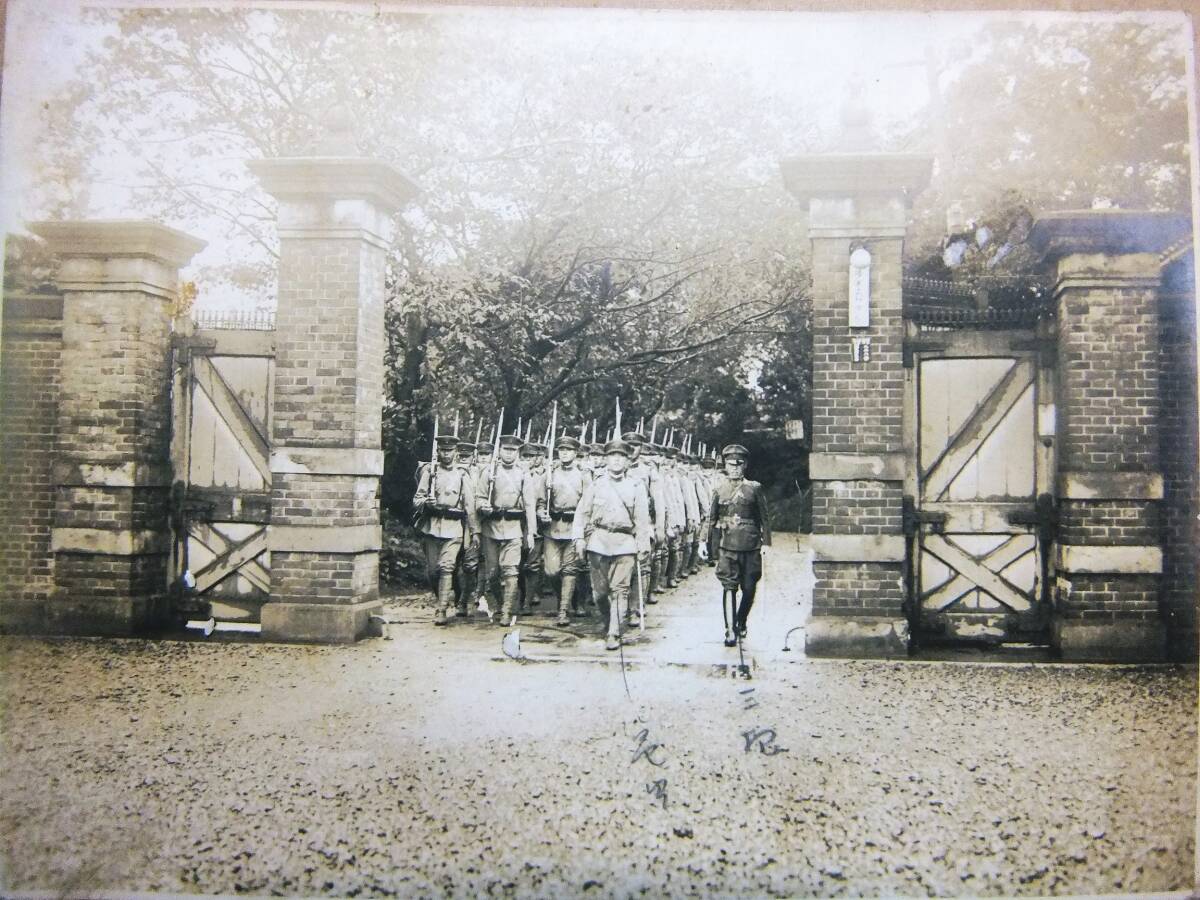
(422, 765)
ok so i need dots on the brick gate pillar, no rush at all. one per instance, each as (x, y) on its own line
(326, 456)
(858, 213)
(1109, 483)
(110, 533)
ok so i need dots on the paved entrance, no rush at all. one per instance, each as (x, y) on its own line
(684, 628)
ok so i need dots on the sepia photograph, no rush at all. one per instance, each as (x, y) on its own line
(597, 451)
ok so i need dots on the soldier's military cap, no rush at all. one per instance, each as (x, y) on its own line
(618, 446)
(650, 449)
(539, 449)
(568, 443)
(447, 442)
(596, 449)
(465, 446)
(670, 452)
(483, 447)
(511, 440)
(708, 462)
(529, 449)
(735, 450)
(634, 437)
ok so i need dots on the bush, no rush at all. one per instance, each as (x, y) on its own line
(401, 561)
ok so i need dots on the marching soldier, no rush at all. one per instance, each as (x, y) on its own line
(612, 526)
(533, 456)
(691, 506)
(647, 476)
(506, 504)
(563, 489)
(708, 468)
(741, 532)
(676, 521)
(467, 571)
(704, 501)
(447, 520)
(651, 457)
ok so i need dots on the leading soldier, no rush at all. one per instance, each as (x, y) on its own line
(448, 520)
(506, 505)
(741, 531)
(612, 526)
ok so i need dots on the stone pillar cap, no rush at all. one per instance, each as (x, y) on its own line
(847, 174)
(335, 178)
(1062, 233)
(106, 238)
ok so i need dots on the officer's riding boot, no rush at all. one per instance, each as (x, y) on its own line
(743, 612)
(508, 602)
(566, 595)
(728, 605)
(445, 597)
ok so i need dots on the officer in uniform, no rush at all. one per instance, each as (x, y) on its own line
(741, 532)
(446, 508)
(563, 488)
(506, 503)
(612, 526)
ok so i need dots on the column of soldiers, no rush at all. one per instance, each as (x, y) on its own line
(500, 526)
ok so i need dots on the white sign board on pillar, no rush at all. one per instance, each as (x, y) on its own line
(860, 288)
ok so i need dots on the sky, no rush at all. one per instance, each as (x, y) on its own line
(803, 58)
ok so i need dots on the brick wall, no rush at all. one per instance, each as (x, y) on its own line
(29, 393)
(1108, 380)
(857, 407)
(329, 357)
(1095, 599)
(343, 500)
(1178, 433)
(858, 507)
(1110, 522)
(858, 589)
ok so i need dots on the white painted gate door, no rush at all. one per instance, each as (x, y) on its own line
(978, 573)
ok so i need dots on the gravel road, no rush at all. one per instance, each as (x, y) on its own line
(401, 767)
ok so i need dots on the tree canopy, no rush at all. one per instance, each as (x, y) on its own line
(600, 215)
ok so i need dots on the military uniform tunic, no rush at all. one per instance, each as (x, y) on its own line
(449, 515)
(741, 526)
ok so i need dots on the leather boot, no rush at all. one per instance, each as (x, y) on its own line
(613, 640)
(728, 607)
(465, 594)
(657, 574)
(445, 597)
(672, 568)
(508, 602)
(743, 612)
(533, 590)
(566, 594)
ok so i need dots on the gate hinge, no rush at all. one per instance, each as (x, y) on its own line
(1046, 347)
(192, 344)
(1044, 516)
(913, 518)
(913, 346)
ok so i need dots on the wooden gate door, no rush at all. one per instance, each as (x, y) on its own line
(978, 546)
(222, 425)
